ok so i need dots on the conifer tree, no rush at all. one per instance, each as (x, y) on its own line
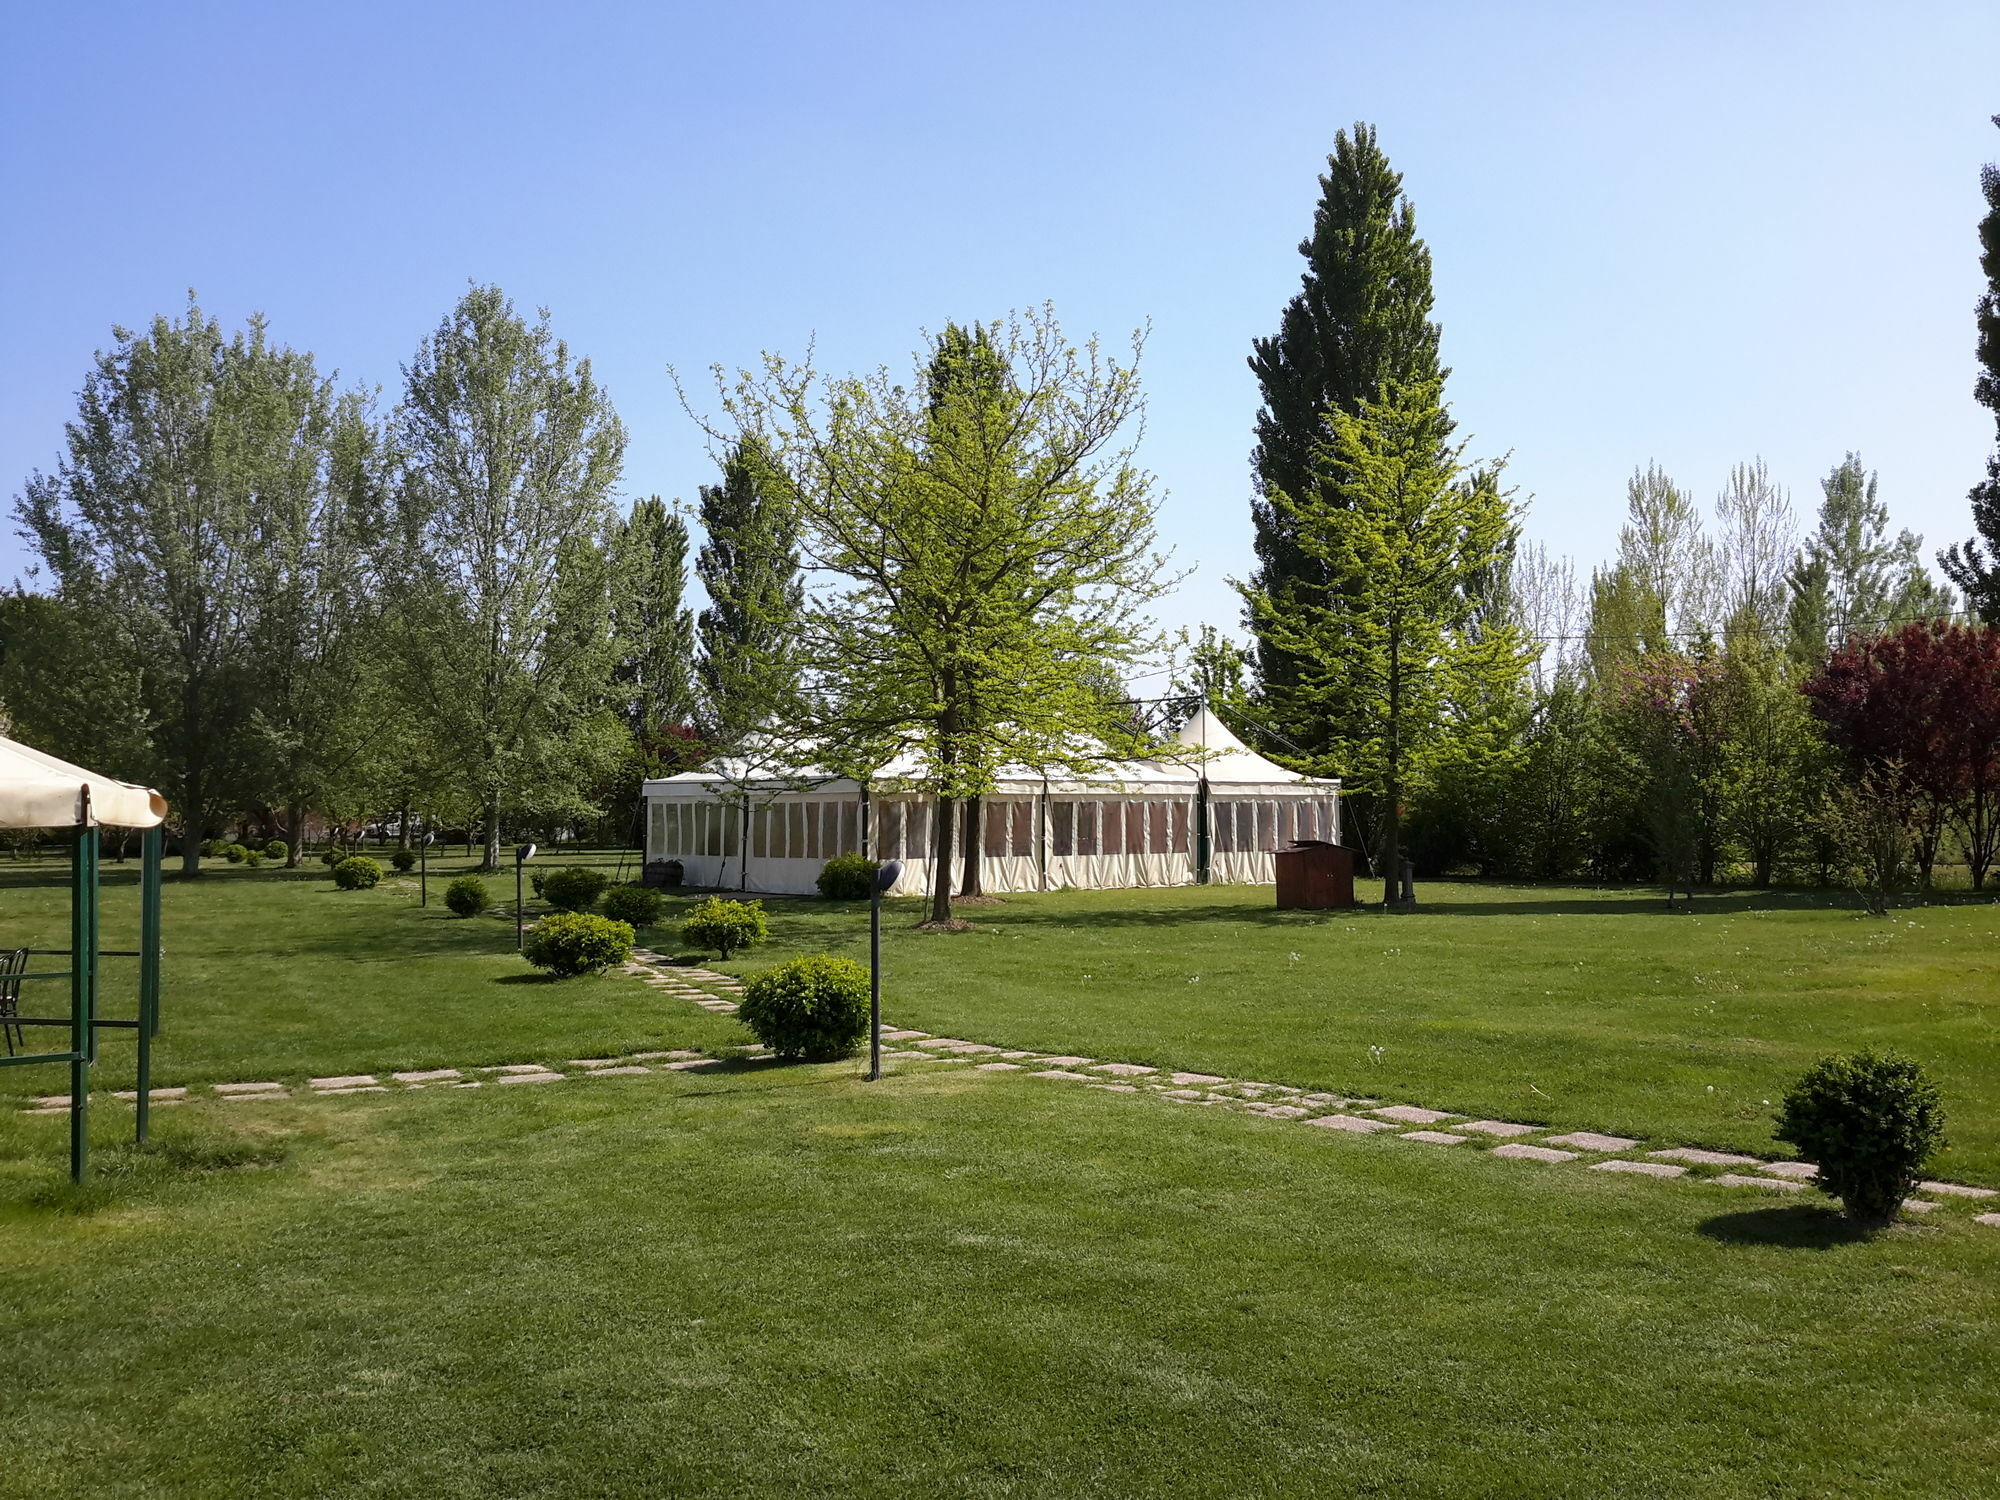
(1360, 320)
(1974, 565)
(651, 627)
(749, 566)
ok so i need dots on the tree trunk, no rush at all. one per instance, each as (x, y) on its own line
(191, 823)
(295, 828)
(403, 825)
(492, 861)
(941, 864)
(974, 881)
(1392, 782)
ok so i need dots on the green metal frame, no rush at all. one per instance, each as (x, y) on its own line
(86, 951)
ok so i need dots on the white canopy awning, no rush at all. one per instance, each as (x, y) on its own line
(39, 791)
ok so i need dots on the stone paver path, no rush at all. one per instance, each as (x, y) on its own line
(1333, 1113)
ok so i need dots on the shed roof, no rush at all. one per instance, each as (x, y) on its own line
(39, 791)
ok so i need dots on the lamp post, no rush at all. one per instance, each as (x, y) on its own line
(885, 877)
(522, 854)
(424, 869)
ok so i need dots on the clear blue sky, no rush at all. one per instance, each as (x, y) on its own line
(1693, 233)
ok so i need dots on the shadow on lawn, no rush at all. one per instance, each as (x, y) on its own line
(1796, 1226)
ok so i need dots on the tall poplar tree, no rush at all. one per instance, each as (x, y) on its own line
(155, 525)
(1401, 637)
(1360, 320)
(509, 453)
(749, 567)
(1974, 565)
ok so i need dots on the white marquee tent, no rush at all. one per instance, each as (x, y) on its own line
(1216, 811)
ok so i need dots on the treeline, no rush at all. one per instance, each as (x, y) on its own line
(276, 600)
(1727, 699)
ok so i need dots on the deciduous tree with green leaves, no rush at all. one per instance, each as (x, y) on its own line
(1974, 565)
(1399, 637)
(509, 451)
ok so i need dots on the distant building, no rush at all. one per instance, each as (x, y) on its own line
(1216, 816)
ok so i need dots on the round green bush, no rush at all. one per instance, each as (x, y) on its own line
(358, 873)
(574, 942)
(212, 848)
(635, 904)
(277, 849)
(719, 926)
(848, 878)
(253, 858)
(1869, 1121)
(468, 896)
(535, 878)
(574, 888)
(235, 853)
(814, 1008)
(330, 856)
(404, 860)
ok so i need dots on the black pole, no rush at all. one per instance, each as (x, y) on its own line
(875, 982)
(518, 863)
(423, 877)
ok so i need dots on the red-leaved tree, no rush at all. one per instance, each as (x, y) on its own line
(1928, 697)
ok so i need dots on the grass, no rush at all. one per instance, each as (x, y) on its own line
(785, 1281)
(1570, 1006)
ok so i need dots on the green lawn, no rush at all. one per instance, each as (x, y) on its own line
(1569, 1006)
(786, 1281)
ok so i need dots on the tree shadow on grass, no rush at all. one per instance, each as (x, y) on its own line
(536, 978)
(1797, 1226)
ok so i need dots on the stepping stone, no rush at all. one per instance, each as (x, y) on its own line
(1497, 1127)
(1409, 1114)
(1920, 1205)
(1992, 1221)
(975, 1049)
(1777, 1184)
(926, 1056)
(52, 1101)
(529, 1078)
(906, 1036)
(1799, 1171)
(1065, 1062)
(366, 1088)
(695, 1062)
(998, 1067)
(515, 1068)
(1068, 1077)
(48, 1109)
(1590, 1140)
(431, 1075)
(1703, 1158)
(1181, 1094)
(616, 1072)
(1435, 1137)
(1643, 1168)
(238, 1090)
(1352, 1123)
(593, 1062)
(656, 1056)
(1111, 1088)
(1333, 1099)
(1013, 1055)
(160, 1096)
(1123, 1070)
(947, 1041)
(241, 1098)
(1186, 1078)
(343, 1081)
(1519, 1152)
(1280, 1111)
(1958, 1190)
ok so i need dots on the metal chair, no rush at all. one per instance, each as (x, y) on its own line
(13, 964)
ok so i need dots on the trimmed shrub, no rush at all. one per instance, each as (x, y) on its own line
(574, 942)
(253, 858)
(848, 878)
(405, 860)
(468, 896)
(235, 853)
(212, 848)
(719, 926)
(574, 887)
(1869, 1121)
(277, 849)
(634, 904)
(813, 1008)
(535, 878)
(358, 873)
